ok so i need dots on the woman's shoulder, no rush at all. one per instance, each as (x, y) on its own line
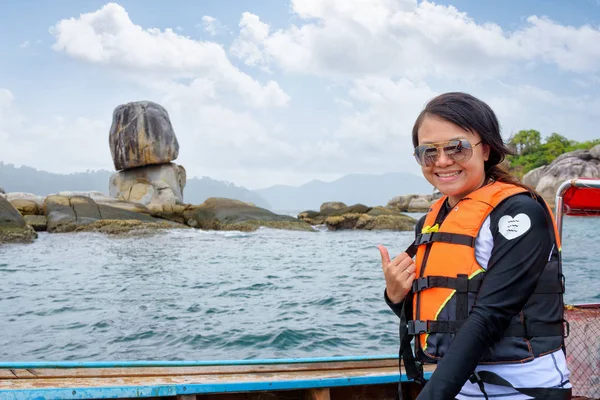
(523, 202)
(521, 209)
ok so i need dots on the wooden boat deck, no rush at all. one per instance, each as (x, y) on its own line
(377, 378)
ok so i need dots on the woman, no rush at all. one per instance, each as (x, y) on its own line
(483, 297)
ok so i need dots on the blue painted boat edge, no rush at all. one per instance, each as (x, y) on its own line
(117, 392)
(201, 363)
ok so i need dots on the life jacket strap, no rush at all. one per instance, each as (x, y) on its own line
(527, 330)
(445, 237)
(412, 367)
(473, 284)
(538, 329)
(458, 284)
(555, 393)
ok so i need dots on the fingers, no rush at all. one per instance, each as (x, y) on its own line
(385, 255)
(411, 269)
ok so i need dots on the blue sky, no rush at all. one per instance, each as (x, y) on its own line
(271, 92)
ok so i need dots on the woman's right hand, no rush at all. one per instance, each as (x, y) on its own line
(399, 274)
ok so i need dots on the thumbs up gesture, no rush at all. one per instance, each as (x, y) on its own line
(399, 274)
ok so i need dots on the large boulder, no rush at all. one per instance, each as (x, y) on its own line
(332, 205)
(379, 221)
(26, 207)
(359, 216)
(228, 214)
(155, 184)
(13, 228)
(12, 196)
(413, 202)
(81, 213)
(575, 164)
(141, 134)
(532, 178)
(318, 218)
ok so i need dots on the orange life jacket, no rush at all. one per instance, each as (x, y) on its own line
(449, 276)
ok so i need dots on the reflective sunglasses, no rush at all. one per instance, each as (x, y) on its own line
(459, 150)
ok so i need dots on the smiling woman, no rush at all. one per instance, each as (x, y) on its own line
(484, 297)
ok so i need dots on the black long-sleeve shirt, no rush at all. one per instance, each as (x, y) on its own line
(519, 254)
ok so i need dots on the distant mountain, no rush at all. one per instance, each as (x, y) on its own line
(370, 190)
(31, 180)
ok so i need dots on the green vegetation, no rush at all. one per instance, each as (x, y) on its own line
(531, 153)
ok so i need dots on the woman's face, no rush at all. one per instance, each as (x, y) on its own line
(452, 178)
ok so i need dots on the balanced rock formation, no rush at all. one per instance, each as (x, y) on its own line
(359, 216)
(141, 134)
(575, 164)
(143, 144)
(13, 228)
(154, 184)
(228, 214)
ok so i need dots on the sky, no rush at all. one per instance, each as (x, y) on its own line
(283, 92)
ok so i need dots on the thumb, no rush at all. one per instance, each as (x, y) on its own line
(385, 256)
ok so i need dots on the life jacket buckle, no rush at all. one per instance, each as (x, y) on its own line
(425, 238)
(420, 284)
(417, 327)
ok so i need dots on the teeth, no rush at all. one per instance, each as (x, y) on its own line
(449, 174)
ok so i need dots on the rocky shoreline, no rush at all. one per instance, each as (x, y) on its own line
(24, 214)
(147, 193)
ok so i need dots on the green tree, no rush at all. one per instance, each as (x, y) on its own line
(525, 141)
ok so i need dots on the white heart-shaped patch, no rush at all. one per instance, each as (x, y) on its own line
(513, 227)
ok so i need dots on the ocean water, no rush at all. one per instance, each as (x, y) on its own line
(200, 295)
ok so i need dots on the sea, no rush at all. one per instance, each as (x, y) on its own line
(210, 295)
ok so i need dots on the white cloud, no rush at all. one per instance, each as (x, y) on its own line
(25, 44)
(109, 37)
(375, 63)
(570, 48)
(246, 46)
(212, 25)
(354, 38)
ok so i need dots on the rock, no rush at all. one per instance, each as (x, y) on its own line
(66, 214)
(26, 207)
(532, 178)
(2, 190)
(398, 222)
(413, 202)
(595, 151)
(13, 228)
(94, 195)
(81, 213)
(359, 216)
(575, 164)
(156, 184)
(419, 204)
(332, 205)
(37, 222)
(228, 214)
(318, 218)
(125, 205)
(141, 134)
(173, 213)
(39, 200)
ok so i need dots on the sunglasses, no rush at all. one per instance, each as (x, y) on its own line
(459, 150)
